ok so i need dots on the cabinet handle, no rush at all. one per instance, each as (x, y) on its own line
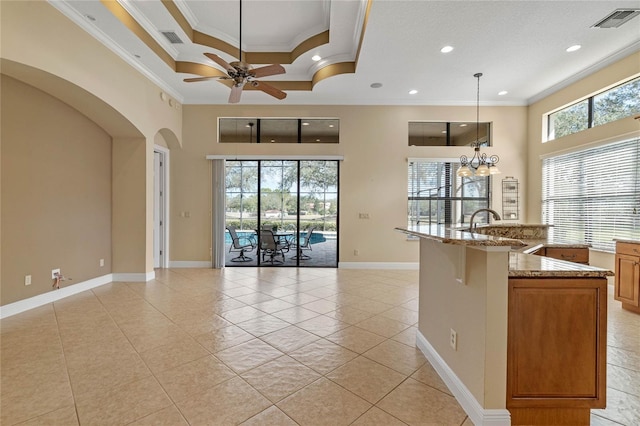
(568, 256)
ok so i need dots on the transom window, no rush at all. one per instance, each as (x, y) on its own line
(278, 130)
(440, 133)
(610, 105)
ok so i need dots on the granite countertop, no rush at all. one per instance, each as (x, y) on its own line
(448, 235)
(625, 240)
(522, 265)
(533, 245)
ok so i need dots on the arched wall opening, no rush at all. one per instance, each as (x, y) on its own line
(77, 181)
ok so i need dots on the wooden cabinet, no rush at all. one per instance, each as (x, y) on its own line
(571, 254)
(627, 282)
(577, 255)
(556, 349)
(540, 252)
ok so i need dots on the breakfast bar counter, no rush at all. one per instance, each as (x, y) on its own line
(518, 338)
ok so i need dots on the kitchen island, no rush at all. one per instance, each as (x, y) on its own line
(518, 338)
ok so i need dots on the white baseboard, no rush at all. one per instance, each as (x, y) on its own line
(61, 293)
(189, 264)
(477, 414)
(52, 296)
(134, 277)
(341, 265)
(378, 265)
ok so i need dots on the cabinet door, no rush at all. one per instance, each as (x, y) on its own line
(557, 343)
(627, 279)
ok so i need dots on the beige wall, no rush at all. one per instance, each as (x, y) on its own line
(611, 132)
(373, 141)
(77, 70)
(373, 175)
(130, 205)
(74, 56)
(56, 192)
(476, 310)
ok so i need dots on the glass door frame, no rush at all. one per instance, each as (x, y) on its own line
(260, 220)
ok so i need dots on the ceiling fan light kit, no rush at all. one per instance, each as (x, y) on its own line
(241, 73)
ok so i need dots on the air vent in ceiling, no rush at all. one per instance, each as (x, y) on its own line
(172, 37)
(617, 18)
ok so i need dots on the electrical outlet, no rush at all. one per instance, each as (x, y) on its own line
(363, 215)
(27, 280)
(54, 272)
(453, 339)
(101, 262)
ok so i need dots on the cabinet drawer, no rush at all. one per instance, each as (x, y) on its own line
(628, 248)
(578, 255)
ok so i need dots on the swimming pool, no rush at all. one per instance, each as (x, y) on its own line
(316, 237)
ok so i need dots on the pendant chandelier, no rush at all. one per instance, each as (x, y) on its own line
(480, 164)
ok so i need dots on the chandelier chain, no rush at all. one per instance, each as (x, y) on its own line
(478, 75)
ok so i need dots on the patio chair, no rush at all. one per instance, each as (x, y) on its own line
(305, 244)
(240, 247)
(271, 247)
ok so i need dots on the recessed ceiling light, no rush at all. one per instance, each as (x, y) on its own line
(317, 140)
(413, 91)
(573, 48)
(304, 123)
(446, 49)
(376, 85)
(502, 93)
(463, 125)
(330, 125)
(316, 58)
(444, 132)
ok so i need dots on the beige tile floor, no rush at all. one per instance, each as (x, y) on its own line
(271, 346)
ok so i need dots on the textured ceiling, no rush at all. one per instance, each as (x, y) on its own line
(519, 46)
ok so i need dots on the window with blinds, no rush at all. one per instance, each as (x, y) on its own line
(436, 195)
(593, 196)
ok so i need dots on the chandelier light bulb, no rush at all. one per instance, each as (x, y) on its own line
(482, 170)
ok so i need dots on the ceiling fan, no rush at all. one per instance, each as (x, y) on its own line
(242, 73)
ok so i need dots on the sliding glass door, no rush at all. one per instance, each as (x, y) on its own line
(281, 213)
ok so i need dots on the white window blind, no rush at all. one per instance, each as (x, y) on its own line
(593, 196)
(436, 195)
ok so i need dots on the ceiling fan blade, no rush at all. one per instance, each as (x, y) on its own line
(218, 60)
(236, 91)
(269, 90)
(191, 80)
(265, 71)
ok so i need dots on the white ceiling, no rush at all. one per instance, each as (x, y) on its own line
(518, 45)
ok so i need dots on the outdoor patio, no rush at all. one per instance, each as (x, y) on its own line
(323, 253)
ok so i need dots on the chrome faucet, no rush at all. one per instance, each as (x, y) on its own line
(495, 214)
